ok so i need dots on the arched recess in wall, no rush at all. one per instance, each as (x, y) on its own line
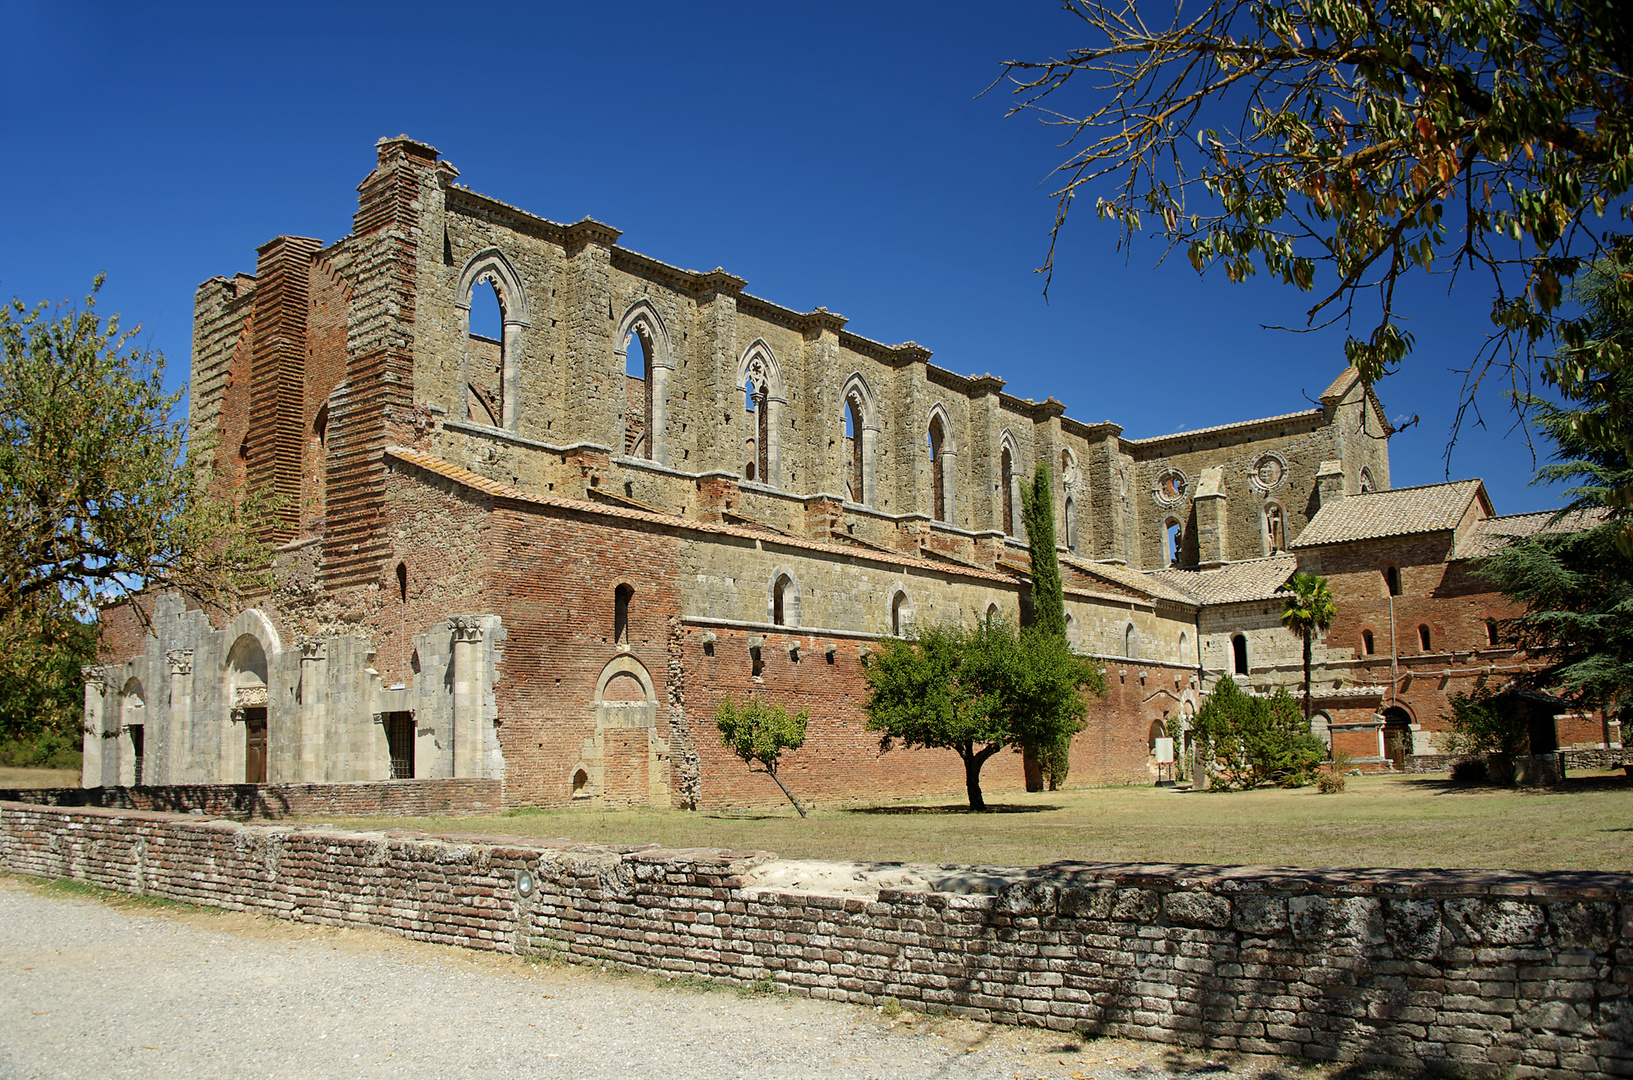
(1009, 485)
(643, 345)
(943, 456)
(760, 377)
(490, 266)
(862, 417)
(1238, 650)
(1131, 642)
(1274, 531)
(625, 679)
(901, 610)
(1071, 632)
(1070, 478)
(782, 598)
(132, 732)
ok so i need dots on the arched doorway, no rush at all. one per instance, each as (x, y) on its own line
(247, 692)
(1397, 735)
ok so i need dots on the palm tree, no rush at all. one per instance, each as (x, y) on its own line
(1309, 608)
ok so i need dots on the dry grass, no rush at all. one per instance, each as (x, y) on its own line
(38, 778)
(1379, 821)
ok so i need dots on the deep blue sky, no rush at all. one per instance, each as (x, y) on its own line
(833, 154)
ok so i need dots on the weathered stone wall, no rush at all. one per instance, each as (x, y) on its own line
(242, 802)
(1478, 973)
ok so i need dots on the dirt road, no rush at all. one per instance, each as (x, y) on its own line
(95, 985)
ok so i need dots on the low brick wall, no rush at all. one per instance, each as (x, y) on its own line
(1521, 974)
(385, 798)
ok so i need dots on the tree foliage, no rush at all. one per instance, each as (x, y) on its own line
(1308, 610)
(1048, 603)
(1247, 741)
(759, 733)
(1486, 723)
(1364, 140)
(101, 496)
(1576, 580)
(976, 690)
(41, 691)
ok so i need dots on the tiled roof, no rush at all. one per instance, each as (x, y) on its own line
(1307, 414)
(1133, 580)
(1399, 512)
(1234, 583)
(1489, 535)
(460, 475)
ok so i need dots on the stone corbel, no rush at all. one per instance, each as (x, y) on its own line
(378, 718)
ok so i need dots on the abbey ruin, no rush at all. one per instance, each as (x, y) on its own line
(543, 554)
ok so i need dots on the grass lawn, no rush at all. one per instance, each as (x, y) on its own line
(38, 778)
(1412, 821)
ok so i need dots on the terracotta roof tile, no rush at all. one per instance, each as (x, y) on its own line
(1134, 580)
(1398, 512)
(1234, 583)
(1490, 535)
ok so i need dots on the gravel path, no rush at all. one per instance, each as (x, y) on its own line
(111, 987)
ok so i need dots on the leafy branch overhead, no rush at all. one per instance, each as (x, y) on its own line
(1377, 140)
(102, 497)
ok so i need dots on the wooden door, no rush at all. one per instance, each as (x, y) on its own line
(255, 746)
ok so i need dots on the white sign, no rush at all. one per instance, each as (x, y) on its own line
(1165, 751)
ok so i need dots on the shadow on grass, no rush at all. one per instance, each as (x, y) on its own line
(1440, 785)
(953, 808)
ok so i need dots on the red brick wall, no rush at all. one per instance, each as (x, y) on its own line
(400, 798)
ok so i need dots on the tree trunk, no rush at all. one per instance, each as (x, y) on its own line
(973, 760)
(785, 791)
(1306, 676)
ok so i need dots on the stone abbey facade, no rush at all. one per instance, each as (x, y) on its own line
(544, 553)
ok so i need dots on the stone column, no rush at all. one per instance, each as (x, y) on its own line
(179, 764)
(314, 701)
(869, 435)
(95, 695)
(510, 375)
(773, 440)
(657, 434)
(467, 727)
(949, 484)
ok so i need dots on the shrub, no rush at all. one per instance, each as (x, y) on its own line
(1250, 741)
(1469, 770)
(49, 749)
(1329, 782)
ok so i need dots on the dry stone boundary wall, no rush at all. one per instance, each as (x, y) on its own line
(1478, 973)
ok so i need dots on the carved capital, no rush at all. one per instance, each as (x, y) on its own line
(181, 661)
(379, 717)
(94, 677)
(314, 648)
(466, 627)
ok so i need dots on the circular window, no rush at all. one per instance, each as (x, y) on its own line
(1171, 487)
(1268, 472)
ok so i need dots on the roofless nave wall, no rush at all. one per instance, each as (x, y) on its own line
(543, 554)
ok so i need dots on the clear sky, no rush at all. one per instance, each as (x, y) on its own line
(834, 154)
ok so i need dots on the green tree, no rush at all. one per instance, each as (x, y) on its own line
(41, 691)
(757, 732)
(1576, 578)
(1369, 140)
(976, 691)
(1247, 741)
(1307, 611)
(1486, 723)
(101, 496)
(1048, 603)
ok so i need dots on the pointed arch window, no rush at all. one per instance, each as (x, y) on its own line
(492, 363)
(648, 362)
(1071, 525)
(760, 377)
(862, 423)
(1274, 538)
(1131, 642)
(938, 470)
(1006, 480)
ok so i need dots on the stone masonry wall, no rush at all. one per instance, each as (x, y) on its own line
(1478, 973)
(416, 798)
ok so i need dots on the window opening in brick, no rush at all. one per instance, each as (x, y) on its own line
(897, 603)
(1171, 540)
(1273, 538)
(137, 751)
(779, 596)
(938, 466)
(1131, 642)
(400, 743)
(621, 596)
(756, 662)
(1491, 631)
(1392, 580)
(637, 395)
(1071, 525)
(320, 427)
(1006, 471)
(581, 784)
(402, 583)
(487, 353)
(1368, 646)
(1238, 645)
(1423, 638)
